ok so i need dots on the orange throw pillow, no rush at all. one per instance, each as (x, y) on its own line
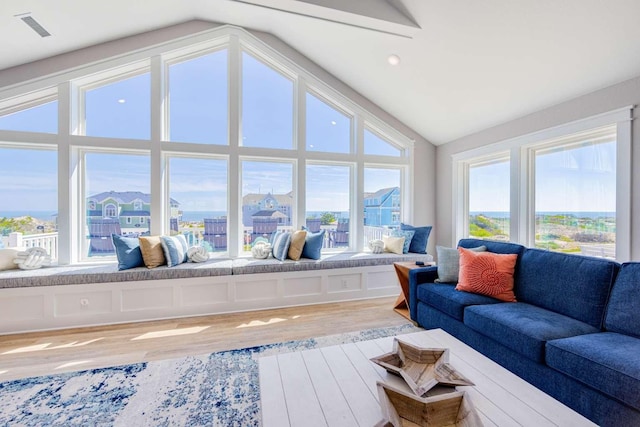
(487, 273)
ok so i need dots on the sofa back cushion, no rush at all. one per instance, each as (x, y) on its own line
(573, 285)
(623, 310)
(493, 246)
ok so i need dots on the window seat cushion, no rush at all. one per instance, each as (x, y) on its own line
(81, 274)
(339, 260)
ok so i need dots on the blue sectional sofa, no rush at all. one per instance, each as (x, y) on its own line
(574, 332)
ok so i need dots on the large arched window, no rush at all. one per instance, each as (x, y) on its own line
(220, 138)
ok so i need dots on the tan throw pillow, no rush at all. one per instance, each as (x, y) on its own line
(297, 244)
(152, 253)
(393, 244)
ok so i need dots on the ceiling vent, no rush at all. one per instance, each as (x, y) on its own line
(35, 26)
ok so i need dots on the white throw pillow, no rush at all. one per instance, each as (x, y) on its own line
(393, 244)
(6, 259)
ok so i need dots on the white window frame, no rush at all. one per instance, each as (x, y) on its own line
(69, 88)
(521, 151)
(461, 210)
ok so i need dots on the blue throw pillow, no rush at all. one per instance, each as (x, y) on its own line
(175, 249)
(408, 237)
(280, 247)
(420, 238)
(313, 245)
(127, 251)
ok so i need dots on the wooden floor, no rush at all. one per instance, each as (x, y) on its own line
(42, 353)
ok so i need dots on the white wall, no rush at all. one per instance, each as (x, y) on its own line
(604, 100)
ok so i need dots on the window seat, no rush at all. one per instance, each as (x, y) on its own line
(78, 274)
(80, 296)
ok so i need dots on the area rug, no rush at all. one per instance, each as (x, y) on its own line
(218, 389)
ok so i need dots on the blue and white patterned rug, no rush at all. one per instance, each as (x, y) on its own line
(218, 389)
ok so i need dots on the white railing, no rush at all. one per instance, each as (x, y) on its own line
(48, 241)
(370, 233)
(373, 233)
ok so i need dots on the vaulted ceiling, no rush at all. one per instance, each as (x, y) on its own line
(465, 65)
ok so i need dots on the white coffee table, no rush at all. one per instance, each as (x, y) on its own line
(336, 386)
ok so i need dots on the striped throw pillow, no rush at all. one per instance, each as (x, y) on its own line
(280, 247)
(175, 249)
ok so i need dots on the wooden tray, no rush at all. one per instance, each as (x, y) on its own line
(421, 368)
(401, 409)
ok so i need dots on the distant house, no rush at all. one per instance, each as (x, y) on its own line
(277, 206)
(382, 207)
(130, 208)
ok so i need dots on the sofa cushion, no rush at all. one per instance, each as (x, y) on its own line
(449, 263)
(523, 327)
(487, 274)
(623, 310)
(493, 246)
(573, 285)
(606, 361)
(447, 299)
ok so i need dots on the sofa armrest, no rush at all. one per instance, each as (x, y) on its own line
(418, 276)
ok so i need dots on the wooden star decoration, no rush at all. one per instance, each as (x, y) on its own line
(421, 368)
(400, 409)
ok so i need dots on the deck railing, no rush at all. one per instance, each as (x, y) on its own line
(48, 241)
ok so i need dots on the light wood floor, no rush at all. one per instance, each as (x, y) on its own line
(42, 353)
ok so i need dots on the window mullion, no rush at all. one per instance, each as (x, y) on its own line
(357, 181)
(67, 234)
(300, 120)
(234, 63)
(158, 186)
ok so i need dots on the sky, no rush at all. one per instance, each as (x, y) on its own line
(197, 102)
(575, 179)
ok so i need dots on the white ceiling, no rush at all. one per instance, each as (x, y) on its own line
(465, 64)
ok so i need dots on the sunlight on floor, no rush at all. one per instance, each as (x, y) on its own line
(70, 364)
(261, 323)
(46, 346)
(171, 333)
(3, 372)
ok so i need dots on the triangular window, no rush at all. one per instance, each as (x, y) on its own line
(373, 144)
(41, 118)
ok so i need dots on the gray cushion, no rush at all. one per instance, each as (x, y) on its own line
(449, 263)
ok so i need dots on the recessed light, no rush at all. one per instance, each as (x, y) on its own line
(333, 122)
(121, 101)
(393, 59)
